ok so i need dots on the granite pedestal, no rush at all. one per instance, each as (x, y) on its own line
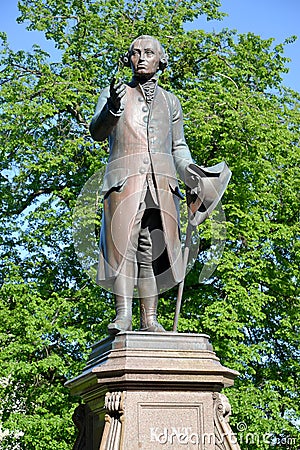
(153, 391)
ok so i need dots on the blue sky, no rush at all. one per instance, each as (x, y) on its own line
(278, 19)
(268, 18)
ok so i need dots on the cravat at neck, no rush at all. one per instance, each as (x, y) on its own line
(149, 87)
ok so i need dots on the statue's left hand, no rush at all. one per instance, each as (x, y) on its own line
(205, 187)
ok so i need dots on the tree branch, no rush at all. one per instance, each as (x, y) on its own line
(229, 78)
(75, 113)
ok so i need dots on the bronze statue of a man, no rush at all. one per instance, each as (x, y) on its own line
(140, 235)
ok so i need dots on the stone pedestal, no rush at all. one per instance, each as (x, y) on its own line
(153, 391)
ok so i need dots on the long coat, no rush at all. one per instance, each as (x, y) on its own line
(144, 141)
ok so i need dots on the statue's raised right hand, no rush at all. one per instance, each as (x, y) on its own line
(117, 92)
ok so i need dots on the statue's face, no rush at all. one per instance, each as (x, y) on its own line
(145, 57)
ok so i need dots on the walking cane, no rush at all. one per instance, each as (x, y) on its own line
(188, 240)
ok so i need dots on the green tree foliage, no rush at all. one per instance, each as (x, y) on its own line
(235, 109)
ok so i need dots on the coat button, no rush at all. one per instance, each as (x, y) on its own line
(144, 109)
(142, 170)
(146, 161)
(151, 129)
(140, 99)
(145, 119)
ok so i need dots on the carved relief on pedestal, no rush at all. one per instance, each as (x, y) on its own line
(225, 438)
(112, 438)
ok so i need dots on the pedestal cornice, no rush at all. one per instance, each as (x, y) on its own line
(142, 360)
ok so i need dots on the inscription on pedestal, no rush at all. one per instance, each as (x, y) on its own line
(165, 426)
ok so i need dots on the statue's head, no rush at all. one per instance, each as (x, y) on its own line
(145, 56)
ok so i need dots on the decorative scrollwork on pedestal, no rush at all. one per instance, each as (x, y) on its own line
(79, 420)
(225, 438)
(112, 437)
